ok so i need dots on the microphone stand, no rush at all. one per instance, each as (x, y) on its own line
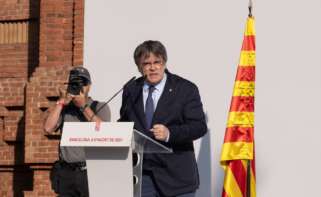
(132, 79)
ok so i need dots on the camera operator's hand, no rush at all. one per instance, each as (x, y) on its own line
(64, 97)
(51, 121)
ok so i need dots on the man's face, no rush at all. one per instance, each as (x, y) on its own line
(153, 68)
(85, 90)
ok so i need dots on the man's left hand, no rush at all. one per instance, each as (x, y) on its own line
(160, 132)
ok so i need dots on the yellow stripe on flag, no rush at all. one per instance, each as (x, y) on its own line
(244, 163)
(242, 119)
(244, 88)
(247, 58)
(250, 30)
(237, 150)
(253, 184)
(230, 185)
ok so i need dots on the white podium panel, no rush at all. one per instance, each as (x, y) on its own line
(108, 155)
(110, 171)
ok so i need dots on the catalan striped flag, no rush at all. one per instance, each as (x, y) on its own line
(237, 157)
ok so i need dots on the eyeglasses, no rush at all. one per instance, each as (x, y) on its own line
(157, 63)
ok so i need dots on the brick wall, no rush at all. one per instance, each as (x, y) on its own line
(56, 18)
(14, 9)
(14, 60)
(42, 91)
(41, 41)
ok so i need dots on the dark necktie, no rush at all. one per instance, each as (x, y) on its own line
(149, 107)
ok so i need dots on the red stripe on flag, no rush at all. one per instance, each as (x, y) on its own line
(240, 174)
(248, 43)
(245, 73)
(239, 134)
(224, 194)
(242, 104)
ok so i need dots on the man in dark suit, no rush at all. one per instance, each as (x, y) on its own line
(167, 108)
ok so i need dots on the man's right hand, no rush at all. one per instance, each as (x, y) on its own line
(51, 121)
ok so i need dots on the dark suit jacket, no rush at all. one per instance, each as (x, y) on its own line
(180, 110)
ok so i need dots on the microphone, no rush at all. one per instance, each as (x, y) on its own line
(127, 83)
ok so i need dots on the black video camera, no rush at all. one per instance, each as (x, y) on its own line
(75, 85)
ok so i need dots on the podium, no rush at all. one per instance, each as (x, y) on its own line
(114, 155)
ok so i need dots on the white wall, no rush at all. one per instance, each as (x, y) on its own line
(203, 39)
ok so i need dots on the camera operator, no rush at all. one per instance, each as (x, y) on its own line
(69, 174)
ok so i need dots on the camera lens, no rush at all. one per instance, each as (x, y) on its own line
(75, 85)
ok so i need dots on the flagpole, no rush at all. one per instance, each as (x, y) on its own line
(250, 8)
(248, 179)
